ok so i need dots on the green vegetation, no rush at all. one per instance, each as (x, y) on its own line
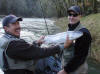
(50, 8)
(92, 22)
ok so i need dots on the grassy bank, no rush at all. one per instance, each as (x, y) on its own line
(92, 22)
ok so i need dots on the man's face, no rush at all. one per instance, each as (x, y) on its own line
(13, 29)
(73, 17)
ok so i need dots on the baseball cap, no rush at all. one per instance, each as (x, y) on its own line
(10, 19)
(75, 9)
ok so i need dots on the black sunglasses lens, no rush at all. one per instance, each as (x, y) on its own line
(74, 15)
(69, 14)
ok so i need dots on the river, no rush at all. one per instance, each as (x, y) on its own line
(33, 28)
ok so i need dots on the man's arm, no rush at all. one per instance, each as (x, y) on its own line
(24, 51)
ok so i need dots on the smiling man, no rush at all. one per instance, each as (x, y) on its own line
(11, 25)
(75, 56)
(16, 55)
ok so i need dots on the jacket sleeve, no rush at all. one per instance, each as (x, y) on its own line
(80, 54)
(24, 51)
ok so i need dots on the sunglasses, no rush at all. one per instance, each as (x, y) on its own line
(74, 15)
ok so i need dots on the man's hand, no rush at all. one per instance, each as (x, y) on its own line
(62, 72)
(68, 42)
(41, 40)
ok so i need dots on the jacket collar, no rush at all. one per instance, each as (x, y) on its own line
(73, 26)
(9, 35)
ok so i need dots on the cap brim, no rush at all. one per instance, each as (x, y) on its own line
(16, 19)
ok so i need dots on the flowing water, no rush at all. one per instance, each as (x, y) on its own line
(33, 28)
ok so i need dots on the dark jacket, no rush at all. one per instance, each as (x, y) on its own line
(81, 51)
(21, 50)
